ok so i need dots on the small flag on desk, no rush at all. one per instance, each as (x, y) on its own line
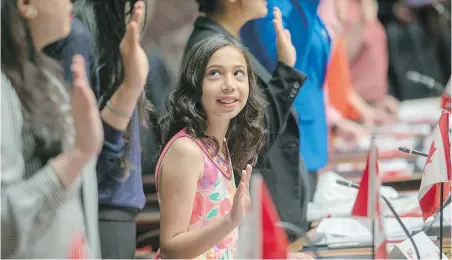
(437, 169)
(259, 235)
(367, 204)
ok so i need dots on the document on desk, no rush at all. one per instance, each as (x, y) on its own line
(404, 205)
(416, 110)
(348, 230)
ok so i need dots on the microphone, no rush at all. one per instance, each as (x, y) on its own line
(353, 185)
(427, 81)
(411, 151)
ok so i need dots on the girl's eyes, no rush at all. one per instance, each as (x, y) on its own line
(239, 73)
(216, 73)
(213, 73)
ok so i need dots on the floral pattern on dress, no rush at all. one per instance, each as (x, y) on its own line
(213, 199)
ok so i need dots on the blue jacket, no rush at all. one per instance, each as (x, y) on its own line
(113, 190)
(312, 42)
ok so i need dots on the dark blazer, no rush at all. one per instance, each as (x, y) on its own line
(280, 163)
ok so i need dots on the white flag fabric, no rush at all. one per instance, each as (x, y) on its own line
(437, 170)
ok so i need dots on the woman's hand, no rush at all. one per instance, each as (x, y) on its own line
(350, 130)
(136, 64)
(89, 134)
(286, 51)
(390, 104)
(242, 199)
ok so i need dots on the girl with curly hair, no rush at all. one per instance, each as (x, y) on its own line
(215, 124)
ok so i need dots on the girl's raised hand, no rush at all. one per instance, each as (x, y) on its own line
(242, 199)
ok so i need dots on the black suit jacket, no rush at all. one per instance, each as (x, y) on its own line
(280, 163)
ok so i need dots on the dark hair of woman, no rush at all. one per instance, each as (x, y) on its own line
(246, 133)
(35, 78)
(207, 6)
(106, 20)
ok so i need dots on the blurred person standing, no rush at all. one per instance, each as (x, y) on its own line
(119, 71)
(312, 43)
(123, 68)
(339, 78)
(50, 140)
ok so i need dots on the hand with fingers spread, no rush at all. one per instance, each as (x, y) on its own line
(89, 134)
(136, 65)
(242, 199)
(286, 51)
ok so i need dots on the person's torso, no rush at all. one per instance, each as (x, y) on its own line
(312, 44)
(214, 196)
(129, 192)
(309, 103)
(73, 230)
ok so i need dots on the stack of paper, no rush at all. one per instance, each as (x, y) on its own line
(348, 230)
(404, 206)
(418, 110)
(334, 200)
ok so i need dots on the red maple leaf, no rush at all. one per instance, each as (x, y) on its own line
(431, 152)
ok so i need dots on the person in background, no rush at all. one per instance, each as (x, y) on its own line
(367, 51)
(279, 162)
(346, 105)
(312, 43)
(120, 68)
(49, 143)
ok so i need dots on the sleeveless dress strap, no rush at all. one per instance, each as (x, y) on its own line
(180, 134)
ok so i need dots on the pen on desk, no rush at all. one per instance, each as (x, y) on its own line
(347, 183)
(349, 245)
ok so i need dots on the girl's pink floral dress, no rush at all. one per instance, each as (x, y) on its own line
(214, 197)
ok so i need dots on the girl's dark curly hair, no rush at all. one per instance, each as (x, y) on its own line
(207, 6)
(246, 133)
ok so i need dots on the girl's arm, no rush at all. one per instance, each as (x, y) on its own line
(181, 169)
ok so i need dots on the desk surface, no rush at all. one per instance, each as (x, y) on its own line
(349, 253)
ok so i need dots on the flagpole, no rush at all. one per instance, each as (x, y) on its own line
(441, 221)
(373, 192)
(373, 239)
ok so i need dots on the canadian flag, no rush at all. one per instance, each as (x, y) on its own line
(259, 236)
(367, 204)
(437, 169)
(445, 98)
